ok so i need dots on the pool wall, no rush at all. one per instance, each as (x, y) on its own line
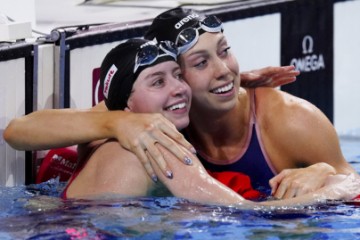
(64, 72)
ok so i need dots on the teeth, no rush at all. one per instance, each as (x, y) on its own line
(224, 89)
(177, 106)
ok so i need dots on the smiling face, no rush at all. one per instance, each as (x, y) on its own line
(212, 73)
(161, 89)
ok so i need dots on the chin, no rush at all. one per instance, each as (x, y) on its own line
(181, 124)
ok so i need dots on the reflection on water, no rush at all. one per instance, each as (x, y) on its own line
(28, 213)
(36, 212)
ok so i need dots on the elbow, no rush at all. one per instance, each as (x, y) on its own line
(9, 135)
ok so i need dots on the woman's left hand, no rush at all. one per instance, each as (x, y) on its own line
(291, 183)
(269, 77)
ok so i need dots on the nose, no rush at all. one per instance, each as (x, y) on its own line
(179, 87)
(221, 69)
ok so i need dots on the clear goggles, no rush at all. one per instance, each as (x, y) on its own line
(151, 51)
(189, 36)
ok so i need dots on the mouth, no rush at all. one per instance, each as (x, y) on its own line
(176, 106)
(224, 89)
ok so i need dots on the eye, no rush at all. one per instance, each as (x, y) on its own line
(179, 76)
(225, 51)
(158, 82)
(201, 64)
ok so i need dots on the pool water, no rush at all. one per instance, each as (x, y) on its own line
(36, 212)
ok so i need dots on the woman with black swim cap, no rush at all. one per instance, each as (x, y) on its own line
(260, 132)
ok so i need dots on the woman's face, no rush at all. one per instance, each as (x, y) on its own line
(212, 73)
(161, 89)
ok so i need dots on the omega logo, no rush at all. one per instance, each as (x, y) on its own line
(307, 44)
(310, 62)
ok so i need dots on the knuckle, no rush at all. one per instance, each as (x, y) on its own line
(179, 137)
(297, 184)
(135, 143)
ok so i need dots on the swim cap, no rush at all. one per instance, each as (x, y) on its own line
(183, 27)
(118, 71)
(169, 24)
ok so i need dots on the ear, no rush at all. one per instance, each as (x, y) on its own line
(129, 103)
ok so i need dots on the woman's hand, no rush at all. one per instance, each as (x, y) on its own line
(269, 77)
(342, 187)
(291, 183)
(141, 133)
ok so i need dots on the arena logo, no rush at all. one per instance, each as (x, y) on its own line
(185, 20)
(310, 62)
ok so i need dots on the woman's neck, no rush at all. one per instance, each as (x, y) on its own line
(211, 131)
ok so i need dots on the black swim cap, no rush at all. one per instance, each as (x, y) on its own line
(117, 72)
(169, 24)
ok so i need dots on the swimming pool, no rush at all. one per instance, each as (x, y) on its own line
(35, 212)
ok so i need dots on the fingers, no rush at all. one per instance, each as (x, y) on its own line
(289, 188)
(284, 77)
(151, 150)
(174, 134)
(277, 82)
(154, 152)
(274, 183)
(173, 147)
(146, 149)
(150, 132)
(142, 156)
(281, 185)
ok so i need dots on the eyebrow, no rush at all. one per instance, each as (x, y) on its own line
(221, 40)
(155, 74)
(161, 73)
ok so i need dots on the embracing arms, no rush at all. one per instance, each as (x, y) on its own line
(113, 172)
(55, 128)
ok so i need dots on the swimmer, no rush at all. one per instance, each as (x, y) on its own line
(260, 132)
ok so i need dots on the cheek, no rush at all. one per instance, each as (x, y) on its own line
(194, 79)
(234, 65)
(144, 102)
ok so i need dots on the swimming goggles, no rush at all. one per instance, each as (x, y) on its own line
(151, 51)
(187, 38)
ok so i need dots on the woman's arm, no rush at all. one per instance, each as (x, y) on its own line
(196, 184)
(53, 128)
(269, 77)
(138, 133)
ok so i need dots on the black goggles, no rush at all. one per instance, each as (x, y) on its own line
(151, 51)
(187, 38)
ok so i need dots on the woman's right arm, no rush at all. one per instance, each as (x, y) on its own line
(138, 133)
(53, 128)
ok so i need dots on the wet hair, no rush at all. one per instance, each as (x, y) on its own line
(117, 74)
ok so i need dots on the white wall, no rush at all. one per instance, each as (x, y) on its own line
(12, 104)
(346, 67)
(255, 41)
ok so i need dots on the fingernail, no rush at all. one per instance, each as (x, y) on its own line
(193, 150)
(154, 178)
(169, 174)
(187, 160)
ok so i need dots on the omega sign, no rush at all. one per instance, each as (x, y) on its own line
(309, 62)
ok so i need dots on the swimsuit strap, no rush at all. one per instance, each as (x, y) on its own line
(252, 107)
